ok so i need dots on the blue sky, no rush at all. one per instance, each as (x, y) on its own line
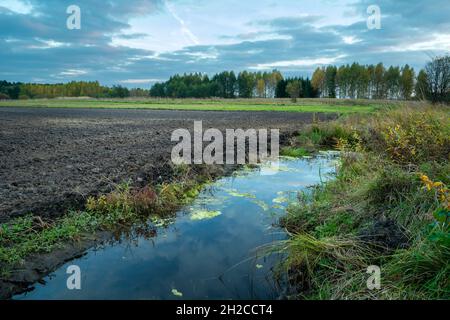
(138, 42)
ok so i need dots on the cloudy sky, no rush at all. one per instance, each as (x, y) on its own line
(138, 42)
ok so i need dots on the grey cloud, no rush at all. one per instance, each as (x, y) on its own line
(289, 22)
(403, 24)
(133, 36)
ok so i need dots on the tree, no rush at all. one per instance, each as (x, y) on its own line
(438, 75)
(378, 82)
(225, 84)
(392, 81)
(422, 86)
(407, 82)
(9, 90)
(260, 88)
(273, 79)
(280, 92)
(246, 84)
(330, 81)
(139, 93)
(231, 81)
(354, 80)
(294, 89)
(371, 86)
(318, 80)
(158, 90)
(307, 89)
(342, 81)
(119, 92)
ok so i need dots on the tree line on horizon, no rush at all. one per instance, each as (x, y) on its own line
(353, 81)
(358, 81)
(228, 85)
(93, 89)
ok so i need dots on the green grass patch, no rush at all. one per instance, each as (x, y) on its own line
(294, 152)
(28, 235)
(199, 105)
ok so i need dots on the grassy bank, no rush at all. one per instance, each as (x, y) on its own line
(285, 105)
(123, 208)
(388, 206)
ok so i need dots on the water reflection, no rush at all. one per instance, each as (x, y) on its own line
(208, 251)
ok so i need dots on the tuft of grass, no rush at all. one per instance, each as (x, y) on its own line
(312, 262)
(294, 152)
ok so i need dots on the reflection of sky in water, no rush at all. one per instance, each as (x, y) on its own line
(209, 259)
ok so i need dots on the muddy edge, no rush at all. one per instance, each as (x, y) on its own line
(53, 159)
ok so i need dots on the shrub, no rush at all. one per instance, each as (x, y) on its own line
(415, 137)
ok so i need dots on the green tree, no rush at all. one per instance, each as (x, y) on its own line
(294, 89)
(342, 81)
(330, 81)
(392, 81)
(379, 82)
(363, 82)
(118, 92)
(407, 82)
(246, 84)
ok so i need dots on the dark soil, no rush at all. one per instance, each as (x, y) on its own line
(52, 159)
